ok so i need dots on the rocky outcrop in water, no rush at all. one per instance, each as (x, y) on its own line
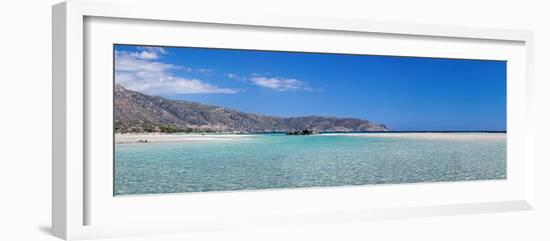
(305, 132)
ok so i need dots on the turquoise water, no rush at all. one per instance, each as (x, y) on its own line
(279, 161)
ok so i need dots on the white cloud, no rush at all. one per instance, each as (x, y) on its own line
(160, 50)
(235, 76)
(205, 70)
(281, 84)
(149, 53)
(129, 62)
(145, 55)
(140, 72)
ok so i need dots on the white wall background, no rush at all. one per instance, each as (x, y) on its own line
(25, 119)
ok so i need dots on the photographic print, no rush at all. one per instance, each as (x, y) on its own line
(190, 119)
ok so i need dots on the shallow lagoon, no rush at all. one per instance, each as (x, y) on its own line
(274, 161)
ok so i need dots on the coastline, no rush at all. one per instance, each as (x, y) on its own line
(176, 137)
(459, 136)
(130, 138)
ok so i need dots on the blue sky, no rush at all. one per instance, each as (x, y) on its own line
(405, 93)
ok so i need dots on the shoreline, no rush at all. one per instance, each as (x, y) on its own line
(176, 137)
(144, 138)
(459, 136)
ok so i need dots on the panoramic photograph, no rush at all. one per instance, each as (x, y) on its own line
(190, 119)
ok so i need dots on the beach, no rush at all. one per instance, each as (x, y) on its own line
(160, 137)
(195, 137)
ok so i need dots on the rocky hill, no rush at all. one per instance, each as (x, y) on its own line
(138, 112)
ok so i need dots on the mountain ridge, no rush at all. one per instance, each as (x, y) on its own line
(139, 112)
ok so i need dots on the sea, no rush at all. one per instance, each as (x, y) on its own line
(278, 161)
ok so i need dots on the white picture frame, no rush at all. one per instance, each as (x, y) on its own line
(77, 195)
